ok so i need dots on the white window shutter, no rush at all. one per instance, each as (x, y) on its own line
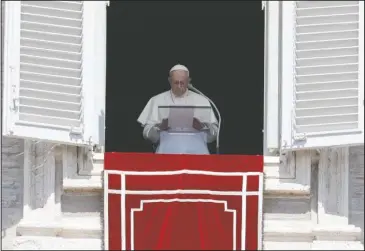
(49, 71)
(322, 74)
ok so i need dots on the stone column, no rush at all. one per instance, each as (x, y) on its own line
(333, 229)
(40, 180)
(333, 178)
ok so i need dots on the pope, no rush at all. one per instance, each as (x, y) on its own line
(156, 129)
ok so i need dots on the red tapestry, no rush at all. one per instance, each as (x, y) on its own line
(176, 202)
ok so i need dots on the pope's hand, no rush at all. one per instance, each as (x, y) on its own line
(197, 124)
(164, 125)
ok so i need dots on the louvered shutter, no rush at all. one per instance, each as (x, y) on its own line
(323, 73)
(49, 71)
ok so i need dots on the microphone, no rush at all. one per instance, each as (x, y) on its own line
(191, 87)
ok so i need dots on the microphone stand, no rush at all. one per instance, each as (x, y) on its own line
(191, 87)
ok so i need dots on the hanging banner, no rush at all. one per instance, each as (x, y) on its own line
(191, 202)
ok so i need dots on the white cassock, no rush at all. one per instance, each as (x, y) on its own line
(177, 143)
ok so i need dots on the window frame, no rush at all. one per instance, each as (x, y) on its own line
(272, 78)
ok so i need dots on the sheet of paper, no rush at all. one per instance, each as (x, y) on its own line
(181, 118)
(203, 114)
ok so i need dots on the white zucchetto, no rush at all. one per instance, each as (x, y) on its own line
(180, 67)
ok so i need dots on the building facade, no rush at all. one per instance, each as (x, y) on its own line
(314, 123)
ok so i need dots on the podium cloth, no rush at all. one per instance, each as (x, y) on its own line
(183, 202)
(183, 143)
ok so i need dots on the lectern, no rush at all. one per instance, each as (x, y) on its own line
(176, 202)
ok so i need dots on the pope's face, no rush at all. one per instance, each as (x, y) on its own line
(179, 82)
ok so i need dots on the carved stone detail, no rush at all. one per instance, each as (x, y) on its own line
(289, 173)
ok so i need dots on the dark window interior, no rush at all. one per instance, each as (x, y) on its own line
(222, 44)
